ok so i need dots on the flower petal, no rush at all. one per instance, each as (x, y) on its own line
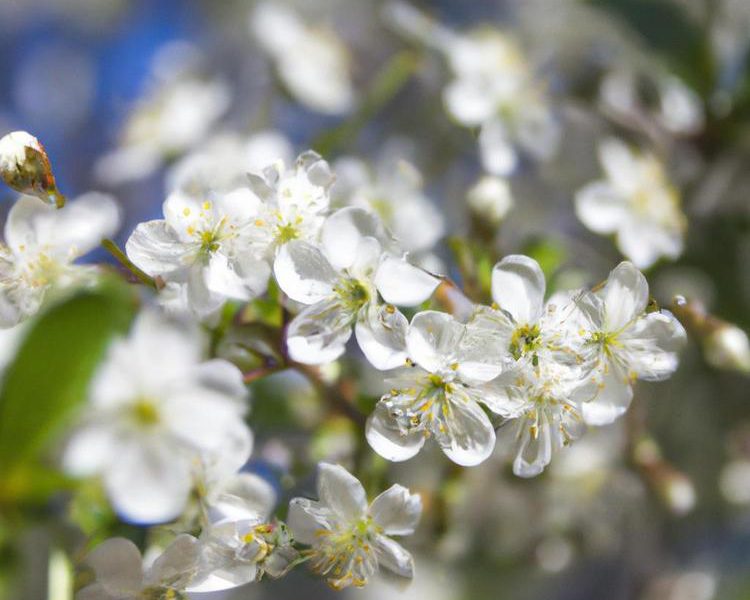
(397, 510)
(305, 518)
(610, 402)
(340, 491)
(401, 283)
(319, 333)
(176, 564)
(393, 557)
(242, 496)
(651, 345)
(385, 438)
(303, 272)
(470, 437)
(625, 296)
(433, 339)
(498, 154)
(89, 450)
(155, 248)
(518, 287)
(381, 335)
(620, 165)
(343, 231)
(117, 565)
(601, 207)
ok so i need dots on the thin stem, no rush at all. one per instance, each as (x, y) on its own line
(122, 258)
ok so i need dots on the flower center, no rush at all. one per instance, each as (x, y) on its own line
(286, 232)
(353, 293)
(525, 339)
(145, 412)
(346, 554)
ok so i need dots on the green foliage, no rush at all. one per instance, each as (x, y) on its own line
(48, 379)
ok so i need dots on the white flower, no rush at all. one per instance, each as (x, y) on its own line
(222, 162)
(24, 166)
(155, 410)
(202, 245)
(120, 573)
(242, 544)
(312, 62)
(349, 539)
(620, 342)
(490, 199)
(440, 394)
(525, 326)
(342, 283)
(41, 243)
(549, 418)
(636, 202)
(294, 202)
(495, 88)
(392, 190)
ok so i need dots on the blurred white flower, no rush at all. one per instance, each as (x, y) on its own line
(120, 573)
(490, 199)
(636, 202)
(203, 247)
(495, 88)
(41, 243)
(727, 347)
(350, 540)
(620, 342)
(155, 409)
(221, 164)
(439, 395)
(392, 190)
(312, 62)
(342, 282)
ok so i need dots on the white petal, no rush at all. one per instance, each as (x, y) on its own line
(610, 402)
(175, 565)
(496, 149)
(385, 438)
(381, 335)
(89, 450)
(468, 101)
(340, 491)
(481, 354)
(651, 345)
(397, 510)
(625, 296)
(393, 557)
(645, 241)
(149, 483)
(343, 231)
(117, 565)
(601, 207)
(402, 283)
(237, 280)
(243, 496)
(433, 339)
(155, 248)
(303, 272)
(470, 438)
(305, 518)
(222, 376)
(620, 165)
(203, 302)
(518, 287)
(534, 453)
(319, 333)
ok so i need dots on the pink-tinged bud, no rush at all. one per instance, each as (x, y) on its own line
(25, 167)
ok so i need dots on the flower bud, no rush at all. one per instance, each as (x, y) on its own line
(24, 166)
(727, 347)
(490, 199)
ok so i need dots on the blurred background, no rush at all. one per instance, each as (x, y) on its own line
(135, 97)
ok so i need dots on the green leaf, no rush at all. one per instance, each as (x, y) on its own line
(54, 364)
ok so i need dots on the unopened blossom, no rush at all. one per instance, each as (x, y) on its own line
(244, 542)
(25, 167)
(620, 342)
(40, 246)
(495, 88)
(121, 575)
(392, 189)
(202, 249)
(294, 201)
(727, 347)
(155, 410)
(549, 415)
(439, 395)
(312, 61)
(350, 540)
(490, 199)
(342, 283)
(636, 202)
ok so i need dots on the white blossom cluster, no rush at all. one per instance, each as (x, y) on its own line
(165, 427)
